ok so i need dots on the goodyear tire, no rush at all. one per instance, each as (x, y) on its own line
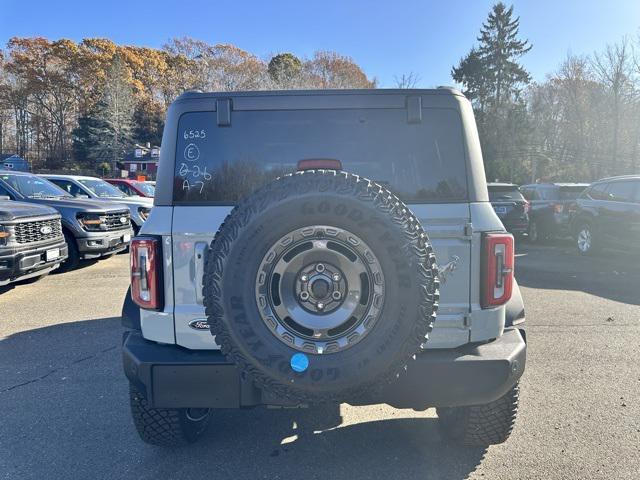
(480, 425)
(321, 286)
(166, 427)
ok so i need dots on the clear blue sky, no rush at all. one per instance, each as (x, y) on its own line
(385, 38)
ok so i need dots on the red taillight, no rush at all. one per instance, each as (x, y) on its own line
(146, 273)
(497, 269)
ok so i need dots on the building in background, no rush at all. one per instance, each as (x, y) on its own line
(142, 160)
(9, 161)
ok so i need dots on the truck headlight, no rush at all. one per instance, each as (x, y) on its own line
(144, 212)
(92, 221)
(5, 233)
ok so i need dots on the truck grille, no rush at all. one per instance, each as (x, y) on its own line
(38, 231)
(112, 220)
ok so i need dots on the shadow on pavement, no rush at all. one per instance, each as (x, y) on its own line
(557, 265)
(66, 415)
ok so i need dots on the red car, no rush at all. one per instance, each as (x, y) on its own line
(133, 187)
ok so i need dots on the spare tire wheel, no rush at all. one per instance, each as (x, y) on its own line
(321, 286)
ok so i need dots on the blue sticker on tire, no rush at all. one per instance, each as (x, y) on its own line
(299, 362)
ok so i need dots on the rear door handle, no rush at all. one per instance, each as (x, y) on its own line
(200, 249)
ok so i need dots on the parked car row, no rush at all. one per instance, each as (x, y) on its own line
(98, 189)
(604, 214)
(54, 221)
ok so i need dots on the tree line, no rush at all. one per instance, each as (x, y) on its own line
(66, 105)
(580, 124)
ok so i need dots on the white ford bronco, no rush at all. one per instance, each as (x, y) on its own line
(290, 260)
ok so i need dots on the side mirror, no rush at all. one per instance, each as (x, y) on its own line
(5, 197)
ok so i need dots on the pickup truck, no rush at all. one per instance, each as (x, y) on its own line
(31, 241)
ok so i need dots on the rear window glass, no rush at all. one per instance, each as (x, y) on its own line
(497, 193)
(571, 193)
(598, 192)
(148, 189)
(422, 162)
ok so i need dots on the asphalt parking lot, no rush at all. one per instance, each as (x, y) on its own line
(65, 412)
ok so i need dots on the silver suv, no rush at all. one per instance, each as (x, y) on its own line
(290, 259)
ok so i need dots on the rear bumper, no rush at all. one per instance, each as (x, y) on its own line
(518, 226)
(174, 377)
(23, 263)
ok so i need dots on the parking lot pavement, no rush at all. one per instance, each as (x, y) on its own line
(65, 412)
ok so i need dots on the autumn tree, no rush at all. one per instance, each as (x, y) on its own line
(46, 73)
(68, 105)
(148, 120)
(332, 70)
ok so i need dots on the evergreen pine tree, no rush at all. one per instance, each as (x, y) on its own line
(112, 130)
(492, 78)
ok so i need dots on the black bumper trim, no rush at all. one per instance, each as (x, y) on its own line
(24, 262)
(130, 315)
(174, 377)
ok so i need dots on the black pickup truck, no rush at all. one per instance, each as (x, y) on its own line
(31, 241)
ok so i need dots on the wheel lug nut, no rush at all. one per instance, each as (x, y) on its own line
(304, 278)
(320, 267)
(320, 305)
(304, 295)
(336, 295)
(336, 277)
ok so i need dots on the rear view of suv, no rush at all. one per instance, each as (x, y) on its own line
(607, 215)
(510, 206)
(552, 205)
(290, 259)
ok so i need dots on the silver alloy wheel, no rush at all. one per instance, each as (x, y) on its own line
(584, 239)
(320, 289)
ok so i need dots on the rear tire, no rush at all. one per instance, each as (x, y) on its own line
(480, 425)
(534, 232)
(167, 427)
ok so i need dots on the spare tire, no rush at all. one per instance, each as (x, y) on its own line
(321, 286)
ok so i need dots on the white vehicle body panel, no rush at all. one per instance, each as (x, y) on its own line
(454, 230)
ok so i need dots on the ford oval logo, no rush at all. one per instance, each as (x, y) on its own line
(123, 220)
(199, 324)
(46, 230)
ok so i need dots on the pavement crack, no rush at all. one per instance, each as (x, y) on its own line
(58, 369)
